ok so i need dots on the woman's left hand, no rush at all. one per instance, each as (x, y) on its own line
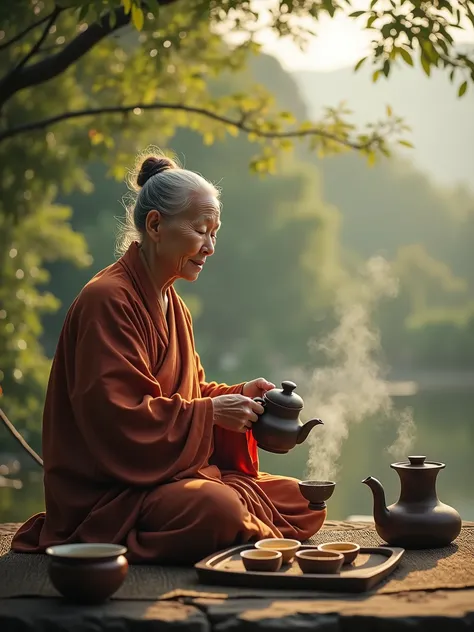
(257, 388)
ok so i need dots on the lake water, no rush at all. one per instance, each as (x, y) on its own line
(445, 432)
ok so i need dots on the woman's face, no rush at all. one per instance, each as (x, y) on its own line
(187, 239)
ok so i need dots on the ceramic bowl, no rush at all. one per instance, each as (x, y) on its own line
(317, 492)
(261, 560)
(286, 546)
(350, 550)
(87, 573)
(322, 562)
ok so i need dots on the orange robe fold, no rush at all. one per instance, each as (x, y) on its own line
(131, 454)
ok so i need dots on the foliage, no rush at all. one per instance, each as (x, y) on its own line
(74, 28)
(405, 28)
(43, 236)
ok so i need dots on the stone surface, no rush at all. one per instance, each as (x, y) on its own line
(420, 611)
(412, 611)
(51, 615)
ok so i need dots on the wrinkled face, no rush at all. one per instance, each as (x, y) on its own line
(187, 239)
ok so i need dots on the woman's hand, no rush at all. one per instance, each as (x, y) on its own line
(257, 388)
(235, 412)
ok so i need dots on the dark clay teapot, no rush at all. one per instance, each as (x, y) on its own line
(279, 428)
(418, 520)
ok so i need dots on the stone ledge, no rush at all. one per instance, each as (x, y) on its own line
(46, 615)
(457, 604)
(443, 611)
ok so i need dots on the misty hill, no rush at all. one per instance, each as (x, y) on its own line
(442, 124)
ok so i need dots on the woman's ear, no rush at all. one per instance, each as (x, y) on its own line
(152, 225)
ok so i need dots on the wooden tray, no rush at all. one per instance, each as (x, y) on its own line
(369, 568)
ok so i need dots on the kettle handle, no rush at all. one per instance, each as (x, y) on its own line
(259, 400)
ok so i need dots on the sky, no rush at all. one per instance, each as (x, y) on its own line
(340, 42)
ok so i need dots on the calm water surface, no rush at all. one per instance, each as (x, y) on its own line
(445, 432)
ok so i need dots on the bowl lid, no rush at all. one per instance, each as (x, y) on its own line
(284, 396)
(84, 551)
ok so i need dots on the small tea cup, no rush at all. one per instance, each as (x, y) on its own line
(286, 546)
(87, 573)
(321, 562)
(317, 492)
(349, 550)
(261, 560)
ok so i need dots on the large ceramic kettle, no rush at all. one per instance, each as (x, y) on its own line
(418, 520)
(279, 428)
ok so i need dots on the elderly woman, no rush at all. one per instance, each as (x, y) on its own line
(138, 448)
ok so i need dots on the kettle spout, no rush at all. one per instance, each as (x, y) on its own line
(306, 429)
(381, 513)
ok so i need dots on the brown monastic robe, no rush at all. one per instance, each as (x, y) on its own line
(131, 454)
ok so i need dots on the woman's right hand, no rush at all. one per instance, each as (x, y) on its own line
(235, 412)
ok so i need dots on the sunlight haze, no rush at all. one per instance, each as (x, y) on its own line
(339, 43)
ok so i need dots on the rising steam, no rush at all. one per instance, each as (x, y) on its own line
(352, 387)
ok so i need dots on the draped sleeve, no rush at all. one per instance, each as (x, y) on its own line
(137, 435)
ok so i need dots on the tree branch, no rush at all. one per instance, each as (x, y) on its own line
(54, 65)
(24, 444)
(236, 123)
(48, 49)
(37, 46)
(25, 32)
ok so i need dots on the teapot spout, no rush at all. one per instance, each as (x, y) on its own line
(306, 429)
(381, 513)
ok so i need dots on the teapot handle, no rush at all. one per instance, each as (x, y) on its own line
(261, 401)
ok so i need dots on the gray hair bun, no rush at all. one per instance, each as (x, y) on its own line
(152, 166)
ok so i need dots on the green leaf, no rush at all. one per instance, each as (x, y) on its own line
(406, 56)
(208, 138)
(138, 18)
(356, 14)
(389, 111)
(127, 6)
(371, 159)
(425, 63)
(406, 143)
(82, 12)
(376, 75)
(286, 144)
(359, 64)
(462, 88)
(287, 116)
(370, 21)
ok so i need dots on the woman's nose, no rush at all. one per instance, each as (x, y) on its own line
(209, 246)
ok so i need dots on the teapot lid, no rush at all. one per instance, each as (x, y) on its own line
(285, 397)
(417, 463)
